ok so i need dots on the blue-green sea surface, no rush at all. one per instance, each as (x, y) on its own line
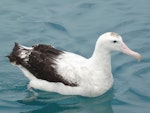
(75, 25)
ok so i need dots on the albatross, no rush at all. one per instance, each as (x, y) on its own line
(53, 70)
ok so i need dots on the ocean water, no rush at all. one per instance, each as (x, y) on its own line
(74, 25)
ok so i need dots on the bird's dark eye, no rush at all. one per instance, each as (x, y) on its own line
(114, 41)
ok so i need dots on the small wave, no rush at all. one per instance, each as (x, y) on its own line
(56, 26)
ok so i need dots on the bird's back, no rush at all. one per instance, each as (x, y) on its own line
(40, 61)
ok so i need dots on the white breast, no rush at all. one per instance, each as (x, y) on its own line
(77, 69)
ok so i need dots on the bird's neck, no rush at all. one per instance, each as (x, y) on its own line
(101, 60)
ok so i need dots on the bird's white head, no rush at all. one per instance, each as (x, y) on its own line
(111, 41)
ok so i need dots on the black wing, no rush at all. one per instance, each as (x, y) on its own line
(41, 63)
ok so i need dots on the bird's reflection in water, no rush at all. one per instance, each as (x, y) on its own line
(54, 103)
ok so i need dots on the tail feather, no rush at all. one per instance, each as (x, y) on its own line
(19, 54)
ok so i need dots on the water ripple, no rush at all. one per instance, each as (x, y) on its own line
(86, 5)
(56, 26)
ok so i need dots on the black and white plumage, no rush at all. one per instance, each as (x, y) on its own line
(67, 73)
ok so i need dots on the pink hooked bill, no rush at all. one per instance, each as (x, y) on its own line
(128, 51)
